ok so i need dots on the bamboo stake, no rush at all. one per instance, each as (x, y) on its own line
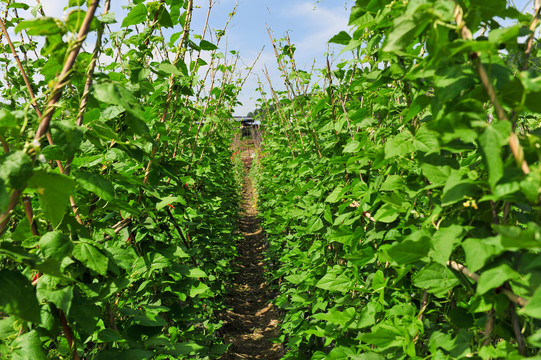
(514, 144)
(178, 56)
(56, 93)
(475, 277)
(533, 26)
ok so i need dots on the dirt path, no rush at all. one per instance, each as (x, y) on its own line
(253, 322)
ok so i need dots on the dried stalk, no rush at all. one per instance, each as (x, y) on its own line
(286, 82)
(475, 277)
(56, 93)
(514, 144)
(517, 330)
(533, 26)
(489, 327)
(68, 333)
(63, 78)
(211, 65)
(180, 53)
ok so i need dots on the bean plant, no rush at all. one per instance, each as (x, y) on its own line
(401, 192)
(118, 197)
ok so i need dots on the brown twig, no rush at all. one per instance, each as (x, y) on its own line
(20, 66)
(30, 215)
(489, 327)
(517, 330)
(533, 26)
(5, 17)
(514, 144)
(83, 104)
(68, 333)
(91, 67)
(178, 56)
(43, 127)
(281, 115)
(181, 234)
(63, 78)
(291, 95)
(475, 277)
(5, 145)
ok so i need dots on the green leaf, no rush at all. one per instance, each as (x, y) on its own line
(96, 184)
(53, 192)
(200, 290)
(6, 328)
(533, 307)
(4, 197)
(426, 140)
(460, 191)
(437, 175)
(336, 194)
(108, 18)
(316, 225)
(413, 249)
(443, 242)
(18, 296)
(7, 120)
(15, 5)
(479, 251)
(187, 348)
(341, 38)
(352, 147)
(116, 94)
(386, 214)
(169, 200)
(207, 45)
(60, 297)
(40, 26)
(453, 80)
(196, 273)
(495, 277)
(136, 16)
(169, 69)
(491, 140)
(91, 257)
(55, 245)
(392, 183)
(503, 35)
(367, 317)
(383, 336)
(399, 145)
(165, 19)
(436, 279)
(149, 319)
(332, 282)
(109, 335)
(515, 238)
(27, 346)
(405, 29)
(16, 169)
(368, 356)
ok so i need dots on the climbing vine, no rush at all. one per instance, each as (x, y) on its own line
(116, 185)
(401, 194)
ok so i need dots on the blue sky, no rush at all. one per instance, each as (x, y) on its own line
(310, 24)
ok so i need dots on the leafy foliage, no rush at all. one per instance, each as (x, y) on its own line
(123, 241)
(414, 169)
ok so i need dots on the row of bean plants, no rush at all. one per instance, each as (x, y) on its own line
(401, 195)
(117, 191)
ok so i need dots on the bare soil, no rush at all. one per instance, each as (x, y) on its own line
(253, 322)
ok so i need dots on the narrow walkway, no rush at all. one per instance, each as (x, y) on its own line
(253, 322)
